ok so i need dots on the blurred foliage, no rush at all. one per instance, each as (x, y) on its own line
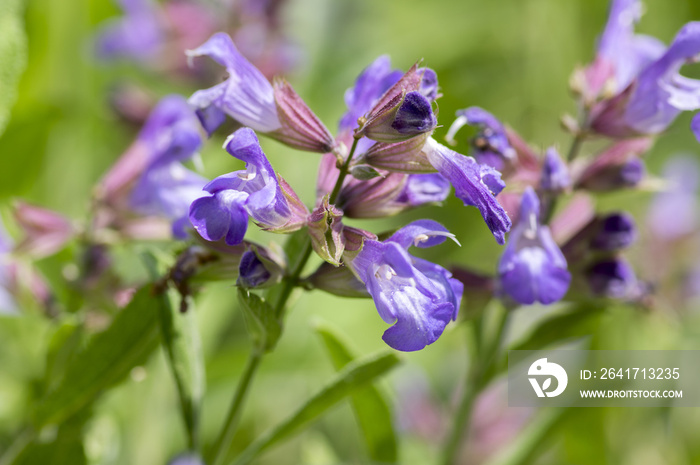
(513, 57)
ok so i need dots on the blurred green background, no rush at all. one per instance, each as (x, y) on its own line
(512, 57)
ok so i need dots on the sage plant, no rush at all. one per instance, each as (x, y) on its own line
(383, 158)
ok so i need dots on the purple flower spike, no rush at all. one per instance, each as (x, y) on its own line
(476, 185)
(254, 191)
(532, 268)
(491, 142)
(247, 96)
(418, 297)
(555, 174)
(662, 92)
(615, 231)
(138, 35)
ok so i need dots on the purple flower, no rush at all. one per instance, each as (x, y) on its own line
(475, 185)
(532, 268)
(555, 173)
(249, 98)
(673, 214)
(165, 187)
(418, 297)
(138, 35)
(614, 278)
(648, 90)
(624, 52)
(662, 92)
(491, 141)
(254, 191)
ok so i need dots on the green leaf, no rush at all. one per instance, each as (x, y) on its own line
(182, 345)
(13, 55)
(264, 326)
(107, 358)
(370, 407)
(355, 376)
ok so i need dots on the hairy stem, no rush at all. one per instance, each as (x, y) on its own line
(289, 282)
(476, 379)
(226, 436)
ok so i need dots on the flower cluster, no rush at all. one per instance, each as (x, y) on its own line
(631, 91)
(382, 161)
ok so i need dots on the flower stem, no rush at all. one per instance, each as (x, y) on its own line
(289, 282)
(226, 436)
(477, 378)
(343, 173)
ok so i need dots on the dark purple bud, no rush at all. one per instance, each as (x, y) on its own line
(615, 231)
(617, 167)
(406, 116)
(252, 272)
(614, 278)
(415, 115)
(555, 173)
(401, 113)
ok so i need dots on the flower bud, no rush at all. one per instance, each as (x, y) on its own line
(555, 173)
(614, 278)
(259, 268)
(614, 232)
(301, 128)
(405, 116)
(617, 167)
(326, 231)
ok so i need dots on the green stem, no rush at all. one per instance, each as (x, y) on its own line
(477, 378)
(343, 174)
(289, 282)
(223, 443)
(576, 146)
